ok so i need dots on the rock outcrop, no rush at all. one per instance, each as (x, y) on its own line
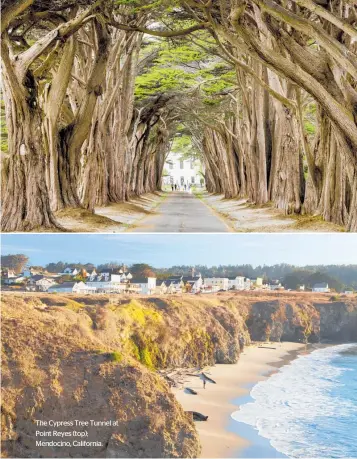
(338, 321)
(87, 358)
(308, 321)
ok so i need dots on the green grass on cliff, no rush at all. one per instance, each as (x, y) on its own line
(137, 313)
(115, 356)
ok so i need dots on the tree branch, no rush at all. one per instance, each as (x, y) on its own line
(340, 53)
(157, 33)
(63, 31)
(326, 14)
(12, 11)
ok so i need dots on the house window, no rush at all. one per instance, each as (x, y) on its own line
(191, 164)
(181, 164)
(182, 180)
(171, 165)
(192, 179)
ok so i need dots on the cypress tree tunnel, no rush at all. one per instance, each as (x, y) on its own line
(95, 94)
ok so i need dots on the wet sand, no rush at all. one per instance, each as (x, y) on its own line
(221, 436)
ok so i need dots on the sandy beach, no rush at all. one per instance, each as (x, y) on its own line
(233, 381)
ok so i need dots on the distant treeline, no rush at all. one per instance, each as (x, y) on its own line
(339, 277)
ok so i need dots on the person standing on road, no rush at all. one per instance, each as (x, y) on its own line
(172, 187)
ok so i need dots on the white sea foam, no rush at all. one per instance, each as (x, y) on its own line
(289, 406)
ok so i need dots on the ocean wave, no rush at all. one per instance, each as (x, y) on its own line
(302, 409)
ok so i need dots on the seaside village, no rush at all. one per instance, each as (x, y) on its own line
(120, 280)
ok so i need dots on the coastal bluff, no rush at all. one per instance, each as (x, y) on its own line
(98, 357)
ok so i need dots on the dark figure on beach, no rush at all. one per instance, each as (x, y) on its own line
(206, 379)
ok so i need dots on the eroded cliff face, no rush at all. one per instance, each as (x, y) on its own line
(280, 321)
(68, 357)
(338, 321)
(308, 321)
(56, 366)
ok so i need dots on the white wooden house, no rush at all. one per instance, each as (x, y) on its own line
(8, 274)
(71, 271)
(92, 274)
(217, 283)
(182, 171)
(247, 283)
(40, 282)
(175, 286)
(258, 282)
(183, 283)
(236, 283)
(71, 287)
(109, 281)
(15, 280)
(193, 283)
(275, 285)
(147, 286)
(321, 287)
(162, 287)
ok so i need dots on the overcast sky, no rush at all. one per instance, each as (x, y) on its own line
(189, 249)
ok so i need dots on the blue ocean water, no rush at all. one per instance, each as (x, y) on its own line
(309, 407)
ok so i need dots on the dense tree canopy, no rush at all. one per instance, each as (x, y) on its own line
(142, 270)
(97, 92)
(14, 262)
(308, 279)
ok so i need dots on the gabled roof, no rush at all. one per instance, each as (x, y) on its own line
(64, 285)
(175, 278)
(166, 283)
(37, 277)
(219, 277)
(139, 280)
(191, 278)
(321, 285)
(102, 277)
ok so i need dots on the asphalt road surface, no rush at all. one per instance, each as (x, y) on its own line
(181, 212)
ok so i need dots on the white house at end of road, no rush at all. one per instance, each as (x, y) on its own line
(182, 171)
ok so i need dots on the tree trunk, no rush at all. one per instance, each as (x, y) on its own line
(286, 180)
(26, 203)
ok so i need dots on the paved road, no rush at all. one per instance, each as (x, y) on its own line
(181, 212)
